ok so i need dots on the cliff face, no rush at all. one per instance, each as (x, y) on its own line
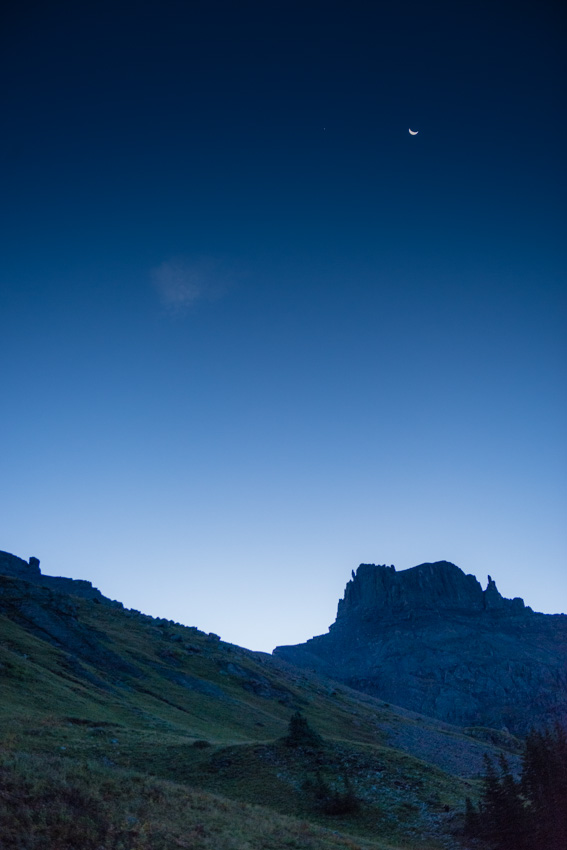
(432, 640)
(441, 586)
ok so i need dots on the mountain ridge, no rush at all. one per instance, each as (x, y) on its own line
(432, 640)
(16, 567)
(428, 639)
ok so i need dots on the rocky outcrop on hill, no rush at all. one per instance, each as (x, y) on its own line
(11, 565)
(432, 640)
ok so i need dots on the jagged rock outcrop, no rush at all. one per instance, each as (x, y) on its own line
(432, 640)
(11, 565)
(430, 587)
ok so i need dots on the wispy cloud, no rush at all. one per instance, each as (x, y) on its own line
(182, 282)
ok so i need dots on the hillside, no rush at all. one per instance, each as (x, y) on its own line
(97, 696)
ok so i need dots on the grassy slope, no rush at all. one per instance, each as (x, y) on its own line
(50, 802)
(170, 702)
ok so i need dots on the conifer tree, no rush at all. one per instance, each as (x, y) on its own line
(544, 785)
(529, 813)
(300, 733)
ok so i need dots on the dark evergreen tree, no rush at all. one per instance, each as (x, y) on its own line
(512, 812)
(472, 825)
(529, 813)
(300, 733)
(544, 785)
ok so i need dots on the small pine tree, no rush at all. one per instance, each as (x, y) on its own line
(513, 814)
(472, 825)
(300, 733)
(489, 806)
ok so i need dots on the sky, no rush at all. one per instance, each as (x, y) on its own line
(254, 333)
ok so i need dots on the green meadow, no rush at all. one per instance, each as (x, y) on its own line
(122, 731)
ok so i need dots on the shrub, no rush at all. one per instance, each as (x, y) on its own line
(329, 800)
(300, 733)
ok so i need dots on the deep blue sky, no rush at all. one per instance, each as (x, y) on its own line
(253, 332)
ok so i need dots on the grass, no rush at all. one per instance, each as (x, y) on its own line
(59, 803)
(127, 733)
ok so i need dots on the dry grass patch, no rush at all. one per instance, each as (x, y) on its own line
(51, 803)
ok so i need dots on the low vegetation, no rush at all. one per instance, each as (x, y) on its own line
(57, 803)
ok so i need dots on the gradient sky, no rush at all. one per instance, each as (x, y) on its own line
(253, 332)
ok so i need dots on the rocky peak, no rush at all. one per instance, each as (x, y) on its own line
(432, 640)
(439, 586)
(11, 565)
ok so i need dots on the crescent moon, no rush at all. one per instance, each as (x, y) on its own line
(414, 132)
